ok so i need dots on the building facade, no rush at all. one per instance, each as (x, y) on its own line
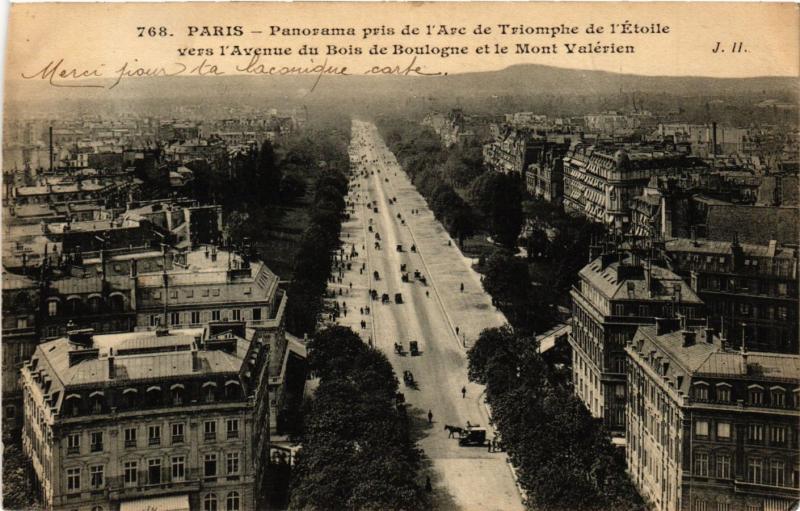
(709, 428)
(601, 182)
(750, 291)
(112, 421)
(615, 295)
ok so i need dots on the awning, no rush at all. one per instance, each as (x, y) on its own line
(171, 503)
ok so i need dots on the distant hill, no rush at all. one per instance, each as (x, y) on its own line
(526, 79)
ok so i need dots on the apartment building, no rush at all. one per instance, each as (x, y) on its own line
(710, 429)
(167, 420)
(616, 294)
(750, 291)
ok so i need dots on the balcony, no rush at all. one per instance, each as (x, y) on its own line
(767, 490)
(154, 440)
(177, 439)
(233, 434)
(97, 448)
(73, 450)
(130, 443)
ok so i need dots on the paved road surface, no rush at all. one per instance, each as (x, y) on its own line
(463, 477)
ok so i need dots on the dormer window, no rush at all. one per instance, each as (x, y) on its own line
(209, 391)
(778, 397)
(700, 391)
(755, 395)
(723, 393)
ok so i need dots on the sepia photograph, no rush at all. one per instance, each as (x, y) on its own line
(368, 256)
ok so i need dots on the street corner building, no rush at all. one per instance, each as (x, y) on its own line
(169, 420)
(616, 294)
(708, 427)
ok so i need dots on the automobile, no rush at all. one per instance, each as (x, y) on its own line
(376, 275)
(398, 298)
(385, 298)
(413, 348)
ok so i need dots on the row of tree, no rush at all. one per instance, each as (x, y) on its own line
(563, 457)
(430, 167)
(316, 249)
(357, 449)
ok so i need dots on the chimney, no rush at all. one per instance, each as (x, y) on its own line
(688, 338)
(112, 373)
(195, 361)
(50, 130)
(714, 140)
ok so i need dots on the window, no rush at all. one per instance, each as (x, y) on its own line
(177, 396)
(195, 317)
(215, 315)
(701, 464)
(215, 292)
(130, 437)
(205, 292)
(23, 322)
(210, 502)
(129, 472)
(257, 314)
(783, 289)
(755, 396)
(73, 479)
(155, 320)
(96, 476)
(177, 433)
(154, 435)
(701, 428)
(723, 393)
(723, 466)
(619, 310)
(210, 465)
(52, 308)
(232, 463)
(232, 502)
(701, 392)
(173, 294)
(174, 318)
(754, 471)
(97, 441)
(236, 314)
(755, 433)
(178, 468)
(778, 398)
(74, 443)
(210, 430)
(783, 313)
(209, 393)
(776, 473)
(777, 435)
(154, 471)
(233, 428)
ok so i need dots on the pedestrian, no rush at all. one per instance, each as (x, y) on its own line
(456, 330)
(363, 324)
(351, 285)
(490, 443)
(361, 310)
(462, 287)
(426, 293)
(430, 417)
(428, 485)
(463, 392)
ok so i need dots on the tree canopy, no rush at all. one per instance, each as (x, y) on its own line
(563, 457)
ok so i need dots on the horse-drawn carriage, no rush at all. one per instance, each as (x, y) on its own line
(398, 298)
(377, 236)
(473, 436)
(408, 378)
(399, 248)
(398, 348)
(413, 347)
(385, 298)
(403, 267)
(376, 275)
(413, 248)
(404, 277)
